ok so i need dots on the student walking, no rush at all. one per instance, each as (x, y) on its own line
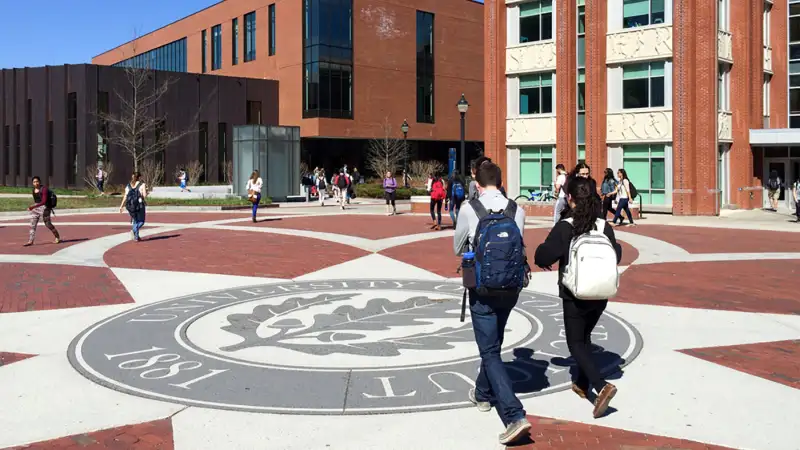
(44, 201)
(624, 196)
(134, 202)
(390, 193)
(101, 179)
(322, 187)
(581, 316)
(438, 194)
(254, 185)
(795, 197)
(494, 293)
(561, 202)
(774, 185)
(182, 178)
(607, 189)
(456, 194)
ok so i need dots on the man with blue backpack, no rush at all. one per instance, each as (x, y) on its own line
(456, 193)
(489, 236)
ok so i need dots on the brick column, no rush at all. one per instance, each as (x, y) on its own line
(779, 40)
(746, 98)
(494, 16)
(566, 83)
(596, 86)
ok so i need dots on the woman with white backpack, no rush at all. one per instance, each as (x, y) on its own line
(587, 254)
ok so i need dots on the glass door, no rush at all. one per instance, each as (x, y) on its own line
(780, 166)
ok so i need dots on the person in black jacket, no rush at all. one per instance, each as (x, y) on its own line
(582, 170)
(580, 316)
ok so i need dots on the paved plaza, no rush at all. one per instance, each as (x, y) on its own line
(317, 328)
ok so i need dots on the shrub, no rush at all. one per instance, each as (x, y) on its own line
(369, 190)
(421, 170)
(152, 173)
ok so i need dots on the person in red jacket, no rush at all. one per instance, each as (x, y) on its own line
(41, 209)
(438, 194)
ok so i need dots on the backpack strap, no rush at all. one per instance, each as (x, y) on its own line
(479, 209)
(511, 210)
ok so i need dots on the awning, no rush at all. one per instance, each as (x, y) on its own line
(775, 137)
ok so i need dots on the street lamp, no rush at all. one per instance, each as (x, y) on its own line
(463, 106)
(404, 129)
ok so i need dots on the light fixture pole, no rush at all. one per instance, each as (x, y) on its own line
(463, 106)
(404, 129)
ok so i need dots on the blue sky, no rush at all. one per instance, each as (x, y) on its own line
(42, 32)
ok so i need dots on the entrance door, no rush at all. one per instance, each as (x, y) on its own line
(781, 167)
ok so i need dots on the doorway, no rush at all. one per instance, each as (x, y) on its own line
(786, 172)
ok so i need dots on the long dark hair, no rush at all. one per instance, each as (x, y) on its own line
(578, 168)
(624, 175)
(584, 213)
(609, 175)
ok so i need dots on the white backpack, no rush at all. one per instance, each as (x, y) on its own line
(591, 273)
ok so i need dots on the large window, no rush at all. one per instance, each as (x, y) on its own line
(253, 112)
(723, 87)
(766, 94)
(235, 42)
(72, 138)
(203, 50)
(643, 85)
(171, 57)
(638, 13)
(102, 125)
(536, 93)
(425, 75)
(271, 11)
(581, 106)
(250, 36)
(581, 34)
(536, 21)
(328, 58)
(535, 168)
(216, 47)
(794, 65)
(646, 167)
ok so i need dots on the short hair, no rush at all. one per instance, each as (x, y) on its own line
(488, 174)
(561, 166)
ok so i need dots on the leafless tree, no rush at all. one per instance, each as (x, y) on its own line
(90, 178)
(419, 171)
(386, 153)
(152, 173)
(227, 166)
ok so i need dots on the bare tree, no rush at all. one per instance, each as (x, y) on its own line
(387, 153)
(91, 174)
(227, 166)
(152, 173)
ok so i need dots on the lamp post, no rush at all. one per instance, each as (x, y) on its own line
(463, 106)
(404, 129)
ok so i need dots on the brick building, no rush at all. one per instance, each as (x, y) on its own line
(677, 92)
(345, 67)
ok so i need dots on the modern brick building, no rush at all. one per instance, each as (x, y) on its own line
(50, 122)
(344, 67)
(677, 92)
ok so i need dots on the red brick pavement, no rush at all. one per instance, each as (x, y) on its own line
(152, 216)
(774, 361)
(721, 240)
(38, 287)
(8, 358)
(364, 226)
(436, 255)
(155, 435)
(748, 286)
(244, 253)
(566, 435)
(12, 238)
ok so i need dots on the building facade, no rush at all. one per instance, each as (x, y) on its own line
(51, 126)
(348, 70)
(670, 90)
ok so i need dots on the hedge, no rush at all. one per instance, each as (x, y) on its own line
(376, 191)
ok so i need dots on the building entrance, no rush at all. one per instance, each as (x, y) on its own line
(788, 170)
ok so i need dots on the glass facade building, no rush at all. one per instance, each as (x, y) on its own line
(171, 57)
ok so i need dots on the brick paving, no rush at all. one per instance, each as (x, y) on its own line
(566, 435)
(721, 240)
(155, 435)
(747, 286)
(38, 287)
(436, 255)
(774, 361)
(152, 216)
(364, 226)
(226, 252)
(7, 358)
(12, 238)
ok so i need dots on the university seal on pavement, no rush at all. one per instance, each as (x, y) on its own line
(330, 347)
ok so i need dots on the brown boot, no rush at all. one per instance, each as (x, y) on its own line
(603, 399)
(579, 391)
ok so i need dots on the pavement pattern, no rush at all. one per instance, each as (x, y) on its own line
(321, 329)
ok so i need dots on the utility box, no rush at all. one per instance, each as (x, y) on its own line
(272, 150)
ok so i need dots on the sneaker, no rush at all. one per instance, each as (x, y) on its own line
(603, 399)
(482, 406)
(133, 236)
(579, 391)
(515, 430)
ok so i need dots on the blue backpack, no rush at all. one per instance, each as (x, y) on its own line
(458, 192)
(501, 265)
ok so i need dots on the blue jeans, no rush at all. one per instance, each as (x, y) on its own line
(493, 383)
(561, 203)
(137, 222)
(622, 205)
(454, 209)
(255, 205)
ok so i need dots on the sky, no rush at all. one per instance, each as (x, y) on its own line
(52, 32)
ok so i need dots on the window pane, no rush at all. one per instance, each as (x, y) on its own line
(794, 67)
(547, 79)
(529, 152)
(794, 101)
(794, 81)
(530, 173)
(657, 173)
(529, 29)
(547, 100)
(581, 96)
(631, 71)
(636, 13)
(794, 29)
(657, 150)
(581, 51)
(547, 26)
(581, 20)
(529, 9)
(635, 93)
(638, 172)
(794, 9)
(637, 151)
(658, 198)
(547, 173)
(529, 81)
(794, 51)
(581, 128)
(794, 122)
(657, 68)
(657, 94)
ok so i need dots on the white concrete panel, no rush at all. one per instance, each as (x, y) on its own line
(512, 171)
(614, 88)
(614, 15)
(615, 157)
(668, 84)
(725, 46)
(512, 97)
(531, 57)
(639, 44)
(725, 126)
(531, 130)
(645, 125)
(512, 25)
(768, 59)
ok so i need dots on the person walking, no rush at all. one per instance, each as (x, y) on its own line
(438, 194)
(774, 185)
(390, 193)
(456, 194)
(322, 187)
(490, 312)
(561, 199)
(254, 185)
(183, 180)
(134, 202)
(580, 316)
(795, 197)
(42, 208)
(607, 189)
(101, 179)
(340, 188)
(623, 193)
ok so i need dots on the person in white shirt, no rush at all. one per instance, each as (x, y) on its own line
(135, 203)
(254, 185)
(101, 179)
(561, 203)
(623, 192)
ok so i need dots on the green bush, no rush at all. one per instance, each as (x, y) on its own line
(376, 191)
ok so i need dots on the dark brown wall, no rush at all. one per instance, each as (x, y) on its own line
(218, 99)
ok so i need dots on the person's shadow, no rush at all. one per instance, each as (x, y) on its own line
(527, 374)
(609, 364)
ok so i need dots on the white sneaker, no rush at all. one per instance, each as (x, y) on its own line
(482, 406)
(515, 431)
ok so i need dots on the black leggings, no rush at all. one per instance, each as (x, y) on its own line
(608, 206)
(390, 196)
(580, 318)
(438, 205)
